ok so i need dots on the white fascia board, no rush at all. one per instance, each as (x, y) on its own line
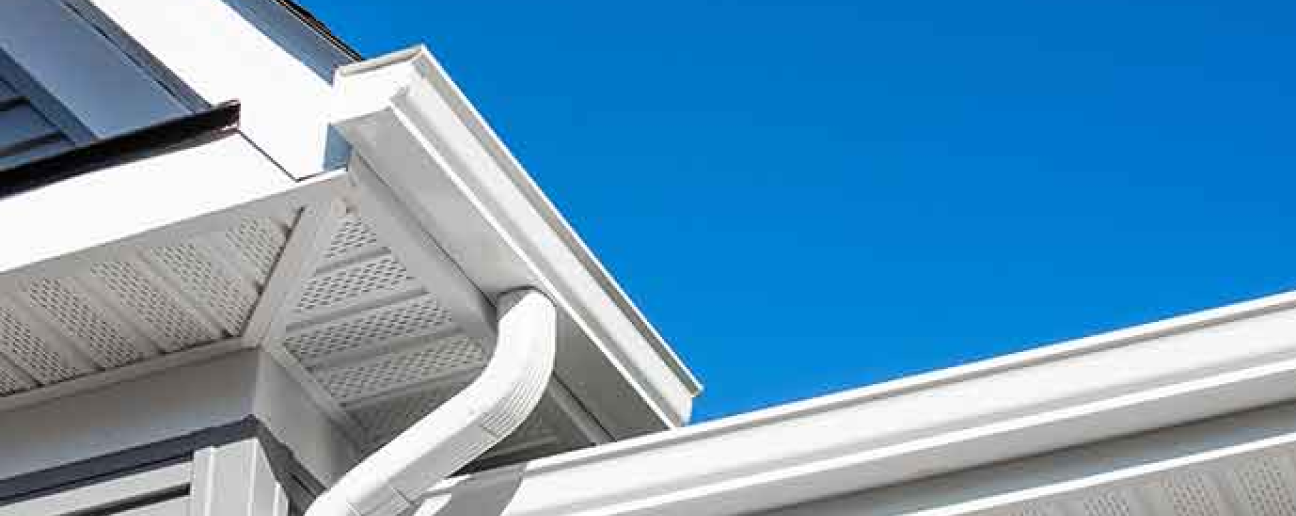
(99, 208)
(1150, 377)
(418, 132)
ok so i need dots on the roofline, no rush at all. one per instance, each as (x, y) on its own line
(412, 126)
(486, 136)
(1147, 377)
(310, 20)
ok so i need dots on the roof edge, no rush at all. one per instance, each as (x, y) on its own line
(1153, 376)
(430, 69)
(414, 128)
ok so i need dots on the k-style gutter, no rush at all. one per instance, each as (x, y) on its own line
(1159, 375)
(407, 121)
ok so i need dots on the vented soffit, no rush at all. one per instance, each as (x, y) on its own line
(379, 304)
(380, 333)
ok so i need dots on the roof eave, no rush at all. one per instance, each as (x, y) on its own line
(409, 123)
(1157, 376)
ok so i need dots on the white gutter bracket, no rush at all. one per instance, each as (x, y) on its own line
(394, 478)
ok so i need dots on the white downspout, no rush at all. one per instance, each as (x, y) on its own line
(390, 480)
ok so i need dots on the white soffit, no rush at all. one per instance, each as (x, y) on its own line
(333, 277)
(143, 303)
(375, 342)
(372, 285)
(90, 295)
(383, 337)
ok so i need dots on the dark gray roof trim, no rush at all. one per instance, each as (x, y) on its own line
(171, 135)
(314, 23)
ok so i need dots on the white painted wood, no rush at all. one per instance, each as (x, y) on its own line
(121, 98)
(105, 494)
(285, 102)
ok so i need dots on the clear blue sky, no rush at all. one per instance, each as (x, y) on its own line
(807, 196)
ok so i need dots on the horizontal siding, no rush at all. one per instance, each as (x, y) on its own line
(7, 94)
(21, 124)
(25, 134)
(37, 150)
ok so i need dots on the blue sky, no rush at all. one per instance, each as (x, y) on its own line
(810, 196)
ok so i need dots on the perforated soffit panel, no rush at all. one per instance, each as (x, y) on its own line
(385, 350)
(378, 346)
(1261, 484)
(139, 305)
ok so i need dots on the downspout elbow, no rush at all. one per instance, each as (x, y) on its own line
(390, 480)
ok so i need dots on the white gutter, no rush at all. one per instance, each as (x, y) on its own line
(421, 137)
(390, 480)
(1140, 379)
